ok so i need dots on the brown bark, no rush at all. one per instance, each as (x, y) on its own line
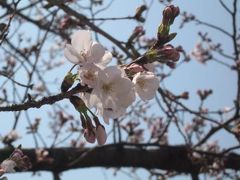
(174, 158)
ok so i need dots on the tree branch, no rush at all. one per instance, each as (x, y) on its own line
(45, 100)
(173, 158)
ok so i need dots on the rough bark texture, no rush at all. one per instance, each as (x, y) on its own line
(174, 158)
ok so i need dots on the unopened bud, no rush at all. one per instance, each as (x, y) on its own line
(90, 131)
(167, 14)
(101, 135)
(135, 68)
(166, 54)
(175, 13)
(170, 53)
(185, 95)
(90, 135)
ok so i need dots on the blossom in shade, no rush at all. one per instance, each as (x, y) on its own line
(16, 159)
(8, 166)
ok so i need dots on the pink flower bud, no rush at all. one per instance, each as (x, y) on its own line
(167, 14)
(90, 135)
(101, 135)
(170, 53)
(135, 68)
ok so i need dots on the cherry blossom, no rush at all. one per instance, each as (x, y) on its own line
(113, 93)
(88, 74)
(84, 50)
(146, 85)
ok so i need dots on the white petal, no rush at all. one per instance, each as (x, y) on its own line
(125, 94)
(113, 73)
(145, 95)
(96, 53)
(71, 54)
(81, 40)
(107, 57)
(129, 98)
(88, 74)
(113, 114)
(146, 85)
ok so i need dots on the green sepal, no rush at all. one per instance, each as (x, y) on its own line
(79, 104)
(68, 81)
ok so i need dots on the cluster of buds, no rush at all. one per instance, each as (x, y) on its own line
(195, 126)
(169, 14)
(201, 54)
(91, 132)
(165, 54)
(16, 160)
(203, 94)
(186, 18)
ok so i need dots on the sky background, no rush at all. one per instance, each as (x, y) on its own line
(190, 77)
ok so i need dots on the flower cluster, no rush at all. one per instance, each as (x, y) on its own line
(16, 160)
(113, 90)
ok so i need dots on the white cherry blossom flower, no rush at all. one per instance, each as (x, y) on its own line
(83, 50)
(113, 93)
(146, 85)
